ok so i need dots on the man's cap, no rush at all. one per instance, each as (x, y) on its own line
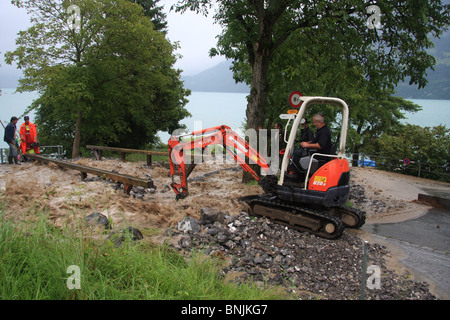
(304, 121)
(26, 118)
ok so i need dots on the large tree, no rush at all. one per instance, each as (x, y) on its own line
(151, 9)
(102, 70)
(254, 30)
(306, 63)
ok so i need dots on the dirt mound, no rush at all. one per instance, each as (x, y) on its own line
(63, 194)
(389, 196)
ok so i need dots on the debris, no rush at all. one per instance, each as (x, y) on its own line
(262, 251)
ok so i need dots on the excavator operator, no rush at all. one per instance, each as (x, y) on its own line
(321, 143)
(322, 140)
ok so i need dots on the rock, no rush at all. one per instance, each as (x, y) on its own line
(222, 237)
(260, 250)
(118, 238)
(210, 215)
(185, 242)
(97, 219)
(189, 224)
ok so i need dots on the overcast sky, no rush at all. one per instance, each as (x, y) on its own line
(195, 33)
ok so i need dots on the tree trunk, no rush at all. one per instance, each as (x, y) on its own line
(257, 100)
(259, 57)
(77, 138)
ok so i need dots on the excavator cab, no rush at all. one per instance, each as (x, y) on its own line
(316, 200)
(311, 159)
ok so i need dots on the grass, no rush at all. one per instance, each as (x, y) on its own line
(35, 258)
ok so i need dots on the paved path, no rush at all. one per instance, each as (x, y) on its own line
(426, 243)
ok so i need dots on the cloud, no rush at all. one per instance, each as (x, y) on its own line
(12, 20)
(195, 33)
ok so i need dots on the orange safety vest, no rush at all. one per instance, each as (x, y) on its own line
(28, 135)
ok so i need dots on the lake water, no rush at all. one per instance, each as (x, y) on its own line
(210, 109)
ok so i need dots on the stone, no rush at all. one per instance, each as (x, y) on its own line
(189, 224)
(185, 242)
(98, 219)
(118, 238)
(210, 216)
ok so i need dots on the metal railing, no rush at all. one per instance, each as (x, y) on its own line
(405, 166)
(59, 154)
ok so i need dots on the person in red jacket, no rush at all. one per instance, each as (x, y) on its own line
(28, 136)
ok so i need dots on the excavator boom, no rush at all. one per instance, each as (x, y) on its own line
(182, 160)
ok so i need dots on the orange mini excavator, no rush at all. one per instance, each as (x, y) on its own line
(314, 202)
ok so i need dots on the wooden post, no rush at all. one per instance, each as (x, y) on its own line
(149, 160)
(96, 155)
(127, 188)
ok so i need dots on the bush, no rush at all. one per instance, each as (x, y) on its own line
(428, 146)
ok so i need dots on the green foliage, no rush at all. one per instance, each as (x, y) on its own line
(326, 48)
(109, 81)
(429, 146)
(151, 9)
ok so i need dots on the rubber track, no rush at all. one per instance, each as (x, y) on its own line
(270, 203)
(359, 214)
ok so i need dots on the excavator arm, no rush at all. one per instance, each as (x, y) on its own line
(182, 161)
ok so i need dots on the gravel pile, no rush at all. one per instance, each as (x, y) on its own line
(358, 197)
(269, 254)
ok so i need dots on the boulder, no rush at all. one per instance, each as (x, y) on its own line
(189, 224)
(210, 215)
(97, 219)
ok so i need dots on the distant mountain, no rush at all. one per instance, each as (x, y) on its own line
(216, 79)
(438, 86)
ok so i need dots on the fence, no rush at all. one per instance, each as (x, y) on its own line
(45, 150)
(405, 166)
(415, 168)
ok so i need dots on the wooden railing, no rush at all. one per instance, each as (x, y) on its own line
(99, 154)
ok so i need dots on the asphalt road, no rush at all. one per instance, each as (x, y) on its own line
(426, 243)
